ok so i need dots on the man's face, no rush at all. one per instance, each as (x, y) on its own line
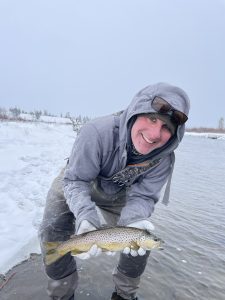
(148, 134)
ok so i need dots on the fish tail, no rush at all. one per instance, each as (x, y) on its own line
(52, 254)
(51, 258)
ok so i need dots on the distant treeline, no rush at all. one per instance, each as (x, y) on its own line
(205, 129)
(15, 113)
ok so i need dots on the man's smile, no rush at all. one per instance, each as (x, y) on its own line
(148, 134)
(147, 140)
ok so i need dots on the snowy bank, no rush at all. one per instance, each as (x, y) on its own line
(46, 119)
(31, 155)
(210, 135)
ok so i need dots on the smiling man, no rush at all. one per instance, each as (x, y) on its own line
(116, 171)
(150, 132)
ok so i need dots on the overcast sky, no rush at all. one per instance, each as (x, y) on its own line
(90, 57)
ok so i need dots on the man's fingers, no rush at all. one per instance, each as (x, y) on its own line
(133, 253)
(110, 253)
(143, 224)
(141, 251)
(149, 226)
(85, 226)
(98, 252)
(83, 255)
(95, 251)
(126, 250)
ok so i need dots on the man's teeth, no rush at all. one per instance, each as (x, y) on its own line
(147, 140)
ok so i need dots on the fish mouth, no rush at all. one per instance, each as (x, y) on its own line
(160, 243)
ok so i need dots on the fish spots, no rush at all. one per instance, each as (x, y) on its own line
(142, 238)
(107, 239)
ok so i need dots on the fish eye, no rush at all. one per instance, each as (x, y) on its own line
(156, 239)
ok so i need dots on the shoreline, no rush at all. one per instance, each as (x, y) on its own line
(28, 280)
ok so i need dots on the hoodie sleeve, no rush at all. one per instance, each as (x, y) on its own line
(83, 167)
(145, 193)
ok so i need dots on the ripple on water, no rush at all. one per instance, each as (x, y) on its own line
(192, 265)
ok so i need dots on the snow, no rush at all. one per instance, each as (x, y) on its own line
(46, 119)
(31, 155)
(219, 136)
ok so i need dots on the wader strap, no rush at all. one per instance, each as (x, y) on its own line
(128, 174)
(166, 196)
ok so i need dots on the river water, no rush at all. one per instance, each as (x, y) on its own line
(192, 264)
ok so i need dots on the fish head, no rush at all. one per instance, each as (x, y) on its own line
(149, 242)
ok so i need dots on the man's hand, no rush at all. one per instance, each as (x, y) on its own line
(86, 226)
(145, 225)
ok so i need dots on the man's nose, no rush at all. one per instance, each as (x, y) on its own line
(156, 132)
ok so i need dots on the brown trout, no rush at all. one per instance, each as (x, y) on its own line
(108, 239)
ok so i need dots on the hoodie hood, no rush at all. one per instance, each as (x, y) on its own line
(141, 104)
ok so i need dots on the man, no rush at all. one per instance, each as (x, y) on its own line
(117, 168)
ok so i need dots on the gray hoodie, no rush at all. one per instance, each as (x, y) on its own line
(100, 151)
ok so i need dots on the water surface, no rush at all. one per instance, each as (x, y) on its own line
(192, 266)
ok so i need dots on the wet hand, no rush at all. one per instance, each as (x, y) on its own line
(93, 252)
(86, 226)
(145, 225)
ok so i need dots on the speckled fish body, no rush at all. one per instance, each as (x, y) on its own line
(108, 239)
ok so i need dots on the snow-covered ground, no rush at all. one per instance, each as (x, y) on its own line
(47, 119)
(31, 155)
(207, 135)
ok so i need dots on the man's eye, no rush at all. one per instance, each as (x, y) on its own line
(166, 127)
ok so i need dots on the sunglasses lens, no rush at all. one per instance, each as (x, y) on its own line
(179, 117)
(162, 106)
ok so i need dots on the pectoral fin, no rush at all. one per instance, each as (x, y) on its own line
(134, 246)
(75, 252)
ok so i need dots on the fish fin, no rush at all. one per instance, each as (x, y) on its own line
(75, 252)
(51, 253)
(51, 258)
(134, 245)
(48, 246)
(106, 249)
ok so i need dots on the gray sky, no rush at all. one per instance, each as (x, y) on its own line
(90, 57)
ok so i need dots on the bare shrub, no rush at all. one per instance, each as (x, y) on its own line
(15, 112)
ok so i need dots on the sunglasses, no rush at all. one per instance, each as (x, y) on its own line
(163, 107)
